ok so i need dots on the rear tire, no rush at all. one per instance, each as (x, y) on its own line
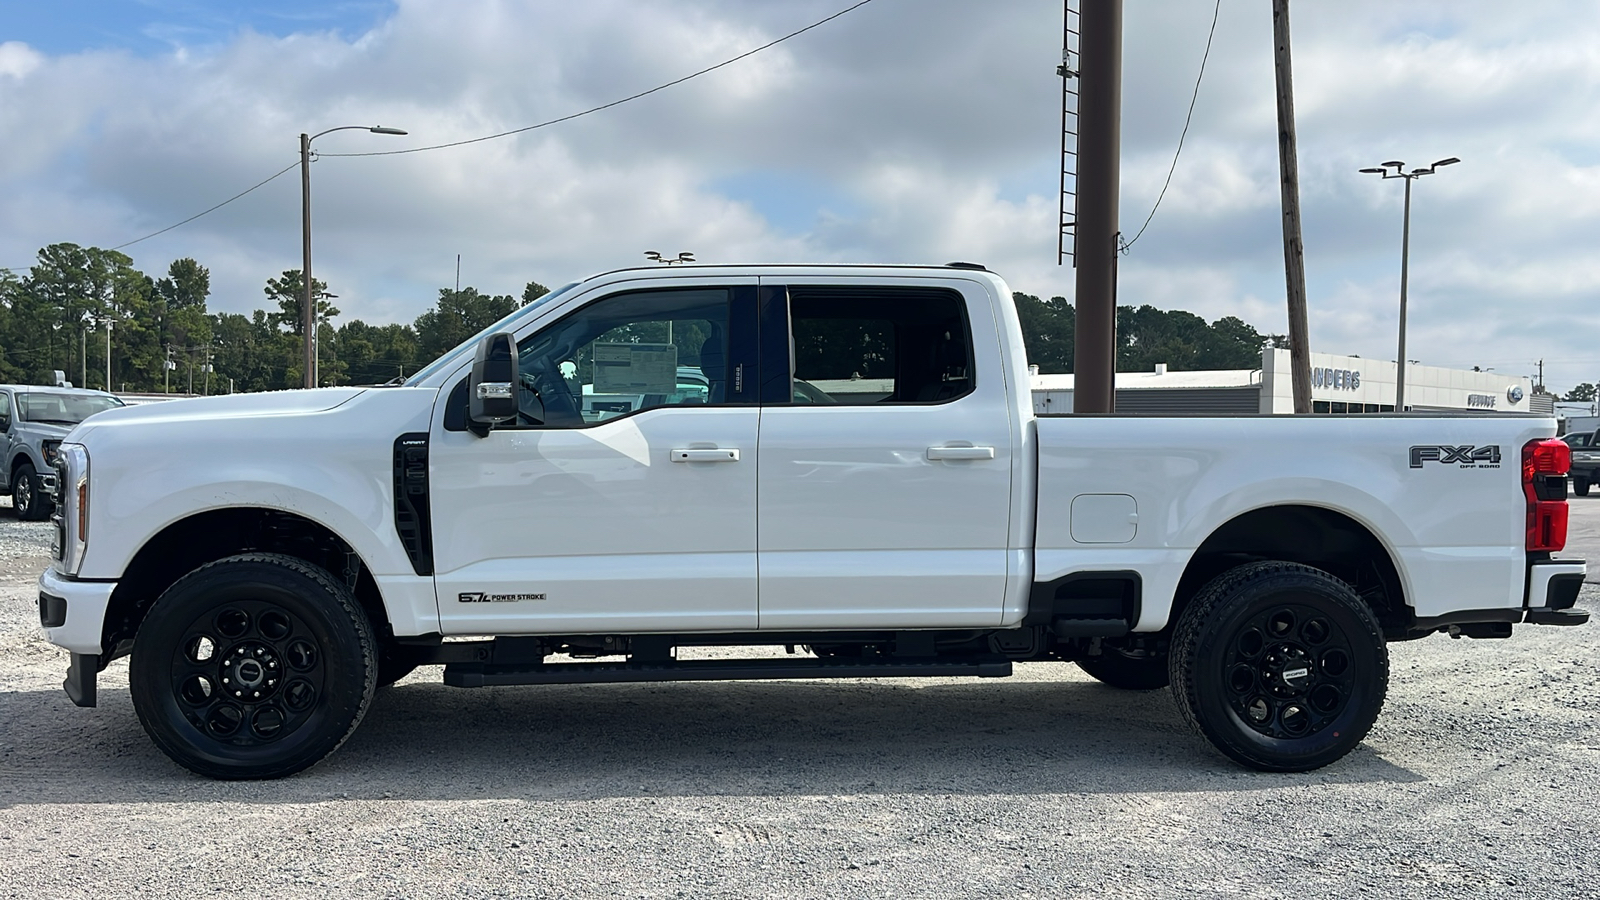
(254, 666)
(27, 496)
(1280, 666)
(1143, 672)
(1580, 486)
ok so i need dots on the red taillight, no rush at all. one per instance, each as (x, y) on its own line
(1544, 469)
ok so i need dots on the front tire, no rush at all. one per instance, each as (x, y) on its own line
(1580, 486)
(27, 496)
(254, 666)
(1280, 666)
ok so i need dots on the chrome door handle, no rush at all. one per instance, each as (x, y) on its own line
(961, 453)
(716, 454)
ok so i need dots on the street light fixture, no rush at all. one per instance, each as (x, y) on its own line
(1399, 171)
(309, 316)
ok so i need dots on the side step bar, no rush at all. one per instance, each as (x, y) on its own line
(486, 675)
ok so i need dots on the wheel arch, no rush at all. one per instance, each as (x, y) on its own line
(188, 543)
(1317, 536)
(17, 459)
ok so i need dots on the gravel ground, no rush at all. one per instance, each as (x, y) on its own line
(1481, 779)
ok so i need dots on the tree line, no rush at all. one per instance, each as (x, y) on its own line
(1145, 336)
(164, 339)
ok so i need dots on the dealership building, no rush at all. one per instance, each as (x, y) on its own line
(1340, 385)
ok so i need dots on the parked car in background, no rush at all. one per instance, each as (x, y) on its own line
(33, 420)
(1585, 460)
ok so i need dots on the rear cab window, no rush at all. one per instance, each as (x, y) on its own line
(886, 345)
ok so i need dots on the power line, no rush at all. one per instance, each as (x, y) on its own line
(197, 215)
(605, 106)
(1215, 13)
(662, 87)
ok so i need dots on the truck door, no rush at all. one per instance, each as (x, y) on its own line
(624, 495)
(885, 476)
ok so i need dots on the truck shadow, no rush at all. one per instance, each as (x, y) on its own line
(425, 741)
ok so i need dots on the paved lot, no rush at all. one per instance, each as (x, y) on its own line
(1482, 779)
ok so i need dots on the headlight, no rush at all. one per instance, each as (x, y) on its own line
(50, 449)
(71, 517)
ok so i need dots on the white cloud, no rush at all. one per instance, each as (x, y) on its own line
(927, 132)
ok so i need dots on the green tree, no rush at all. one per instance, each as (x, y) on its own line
(252, 350)
(288, 292)
(533, 291)
(1184, 341)
(457, 316)
(16, 364)
(180, 306)
(374, 354)
(73, 291)
(1583, 393)
(1049, 330)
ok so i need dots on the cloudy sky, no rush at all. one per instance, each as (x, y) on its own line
(905, 131)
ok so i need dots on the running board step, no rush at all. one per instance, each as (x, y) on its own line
(481, 675)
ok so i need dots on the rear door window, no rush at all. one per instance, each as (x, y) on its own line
(891, 345)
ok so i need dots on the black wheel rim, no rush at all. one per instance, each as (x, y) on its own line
(1289, 671)
(248, 673)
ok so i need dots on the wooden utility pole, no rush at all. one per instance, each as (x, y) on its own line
(1099, 152)
(1294, 262)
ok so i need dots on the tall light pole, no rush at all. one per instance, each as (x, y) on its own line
(309, 316)
(1399, 171)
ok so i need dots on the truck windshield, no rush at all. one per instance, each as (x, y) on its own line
(450, 356)
(62, 409)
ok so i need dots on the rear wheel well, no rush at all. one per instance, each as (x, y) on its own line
(190, 543)
(1312, 536)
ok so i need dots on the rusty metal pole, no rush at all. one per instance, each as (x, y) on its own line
(1099, 159)
(1294, 258)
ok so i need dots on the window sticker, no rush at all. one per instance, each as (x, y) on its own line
(635, 368)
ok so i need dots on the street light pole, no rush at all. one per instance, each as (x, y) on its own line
(308, 317)
(1399, 171)
(1405, 266)
(305, 249)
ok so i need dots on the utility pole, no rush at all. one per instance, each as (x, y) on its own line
(84, 382)
(1294, 261)
(108, 356)
(309, 316)
(1099, 173)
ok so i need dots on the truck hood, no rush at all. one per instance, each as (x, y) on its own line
(47, 430)
(231, 406)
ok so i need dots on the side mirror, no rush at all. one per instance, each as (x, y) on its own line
(492, 389)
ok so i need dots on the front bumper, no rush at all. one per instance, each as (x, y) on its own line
(1553, 586)
(73, 614)
(83, 622)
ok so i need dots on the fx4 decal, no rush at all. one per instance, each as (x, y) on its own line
(1467, 457)
(480, 597)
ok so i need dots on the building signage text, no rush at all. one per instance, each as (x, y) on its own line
(1337, 379)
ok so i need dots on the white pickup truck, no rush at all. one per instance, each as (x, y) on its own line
(653, 460)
